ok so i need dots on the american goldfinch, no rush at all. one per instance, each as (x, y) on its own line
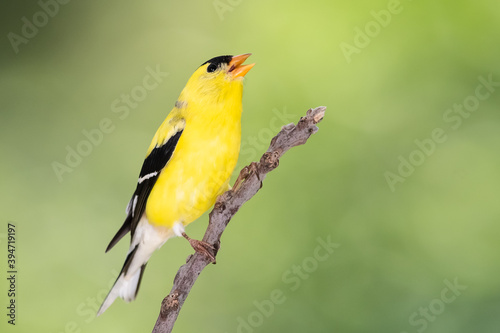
(187, 166)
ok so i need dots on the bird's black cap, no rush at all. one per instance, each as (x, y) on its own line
(217, 61)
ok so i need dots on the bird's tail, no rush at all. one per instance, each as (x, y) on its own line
(126, 285)
(145, 241)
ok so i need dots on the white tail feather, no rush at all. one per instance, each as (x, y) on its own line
(128, 289)
(123, 288)
(147, 239)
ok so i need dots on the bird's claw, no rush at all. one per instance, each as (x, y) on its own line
(245, 173)
(203, 248)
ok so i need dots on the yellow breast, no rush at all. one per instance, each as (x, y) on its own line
(200, 167)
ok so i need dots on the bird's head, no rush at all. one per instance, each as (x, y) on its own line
(217, 80)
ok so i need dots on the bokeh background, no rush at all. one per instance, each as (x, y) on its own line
(397, 247)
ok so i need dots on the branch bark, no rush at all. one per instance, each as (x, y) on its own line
(246, 186)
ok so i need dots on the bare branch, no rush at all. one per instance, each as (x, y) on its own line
(246, 186)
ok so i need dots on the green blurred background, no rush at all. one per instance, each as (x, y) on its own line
(396, 245)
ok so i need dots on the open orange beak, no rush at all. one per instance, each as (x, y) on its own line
(236, 68)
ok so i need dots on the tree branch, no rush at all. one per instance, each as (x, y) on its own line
(246, 186)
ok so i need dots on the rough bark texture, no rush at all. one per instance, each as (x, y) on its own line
(246, 186)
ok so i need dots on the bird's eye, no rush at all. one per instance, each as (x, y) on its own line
(211, 68)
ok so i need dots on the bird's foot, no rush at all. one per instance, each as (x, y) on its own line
(244, 174)
(202, 247)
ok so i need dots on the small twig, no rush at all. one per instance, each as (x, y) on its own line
(246, 186)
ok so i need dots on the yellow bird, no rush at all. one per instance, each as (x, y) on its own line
(188, 164)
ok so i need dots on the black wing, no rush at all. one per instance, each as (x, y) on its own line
(151, 169)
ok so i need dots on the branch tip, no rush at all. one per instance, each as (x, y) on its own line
(317, 113)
